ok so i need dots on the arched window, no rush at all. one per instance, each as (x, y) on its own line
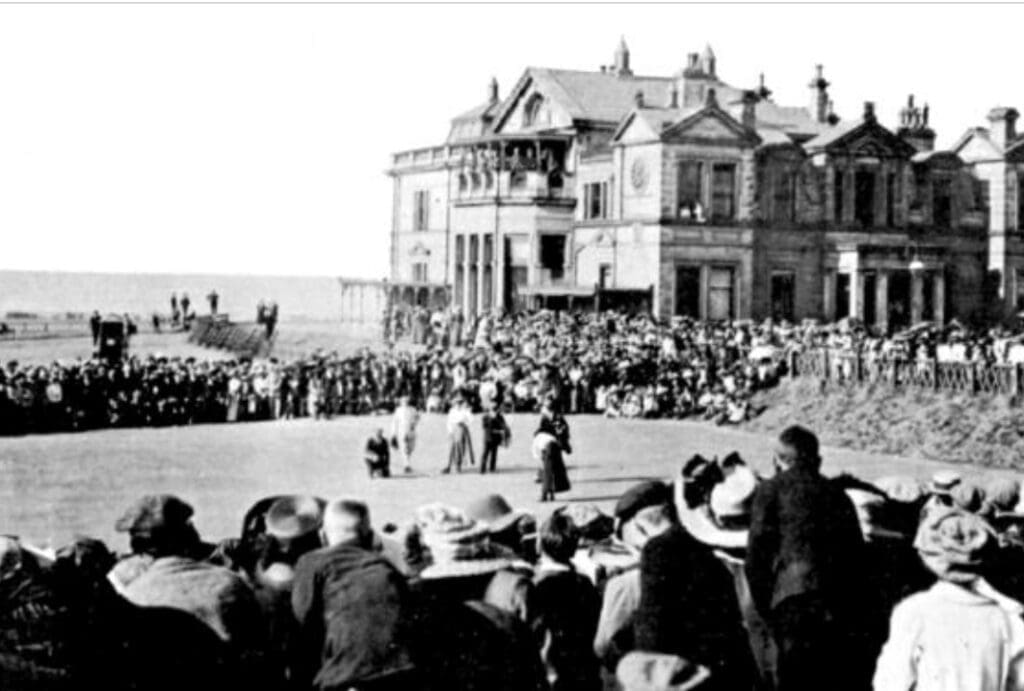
(532, 110)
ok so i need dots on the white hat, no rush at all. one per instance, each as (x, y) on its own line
(731, 498)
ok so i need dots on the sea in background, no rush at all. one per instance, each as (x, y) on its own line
(53, 292)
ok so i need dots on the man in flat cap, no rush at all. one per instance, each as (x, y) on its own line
(165, 571)
(622, 592)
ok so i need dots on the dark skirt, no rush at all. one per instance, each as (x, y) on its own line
(460, 448)
(554, 477)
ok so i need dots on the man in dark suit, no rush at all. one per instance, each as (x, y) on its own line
(688, 603)
(803, 560)
(352, 608)
(496, 433)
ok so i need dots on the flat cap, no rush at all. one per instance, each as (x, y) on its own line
(154, 512)
(641, 496)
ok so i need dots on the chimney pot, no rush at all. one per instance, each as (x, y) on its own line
(710, 98)
(1003, 126)
(674, 97)
(639, 99)
(869, 110)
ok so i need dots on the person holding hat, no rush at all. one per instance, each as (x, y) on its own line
(352, 607)
(961, 634)
(803, 556)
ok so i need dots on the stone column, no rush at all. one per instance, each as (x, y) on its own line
(499, 272)
(939, 297)
(467, 309)
(916, 297)
(480, 275)
(882, 301)
(828, 301)
(856, 295)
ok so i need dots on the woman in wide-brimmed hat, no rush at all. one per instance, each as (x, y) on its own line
(961, 634)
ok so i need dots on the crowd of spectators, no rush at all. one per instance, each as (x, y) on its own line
(609, 363)
(718, 579)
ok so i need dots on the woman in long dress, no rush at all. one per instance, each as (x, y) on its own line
(460, 444)
(547, 450)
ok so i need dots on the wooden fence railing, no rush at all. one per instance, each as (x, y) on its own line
(244, 340)
(859, 368)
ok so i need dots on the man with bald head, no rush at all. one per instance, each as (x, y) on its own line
(352, 608)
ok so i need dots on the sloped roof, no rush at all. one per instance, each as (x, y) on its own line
(833, 134)
(601, 96)
(483, 110)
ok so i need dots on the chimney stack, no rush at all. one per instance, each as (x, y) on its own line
(914, 128)
(749, 116)
(869, 111)
(710, 98)
(1003, 126)
(639, 98)
(819, 95)
(492, 91)
(674, 97)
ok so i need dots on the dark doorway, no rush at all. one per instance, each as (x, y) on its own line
(552, 255)
(688, 291)
(604, 276)
(842, 295)
(783, 295)
(870, 306)
(864, 198)
(899, 300)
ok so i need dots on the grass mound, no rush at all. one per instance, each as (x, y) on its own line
(979, 430)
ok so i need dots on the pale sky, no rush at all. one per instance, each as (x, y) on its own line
(254, 138)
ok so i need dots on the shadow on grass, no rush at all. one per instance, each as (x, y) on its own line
(591, 500)
(624, 478)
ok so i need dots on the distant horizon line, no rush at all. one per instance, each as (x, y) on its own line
(191, 273)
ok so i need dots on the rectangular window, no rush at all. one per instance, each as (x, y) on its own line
(474, 248)
(1020, 200)
(1019, 290)
(942, 203)
(488, 249)
(838, 195)
(552, 255)
(783, 293)
(595, 200)
(890, 200)
(864, 198)
(460, 249)
(690, 191)
(720, 294)
(421, 210)
(723, 191)
(419, 272)
(784, 197)
(604, 275)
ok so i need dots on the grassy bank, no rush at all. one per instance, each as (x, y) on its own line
(979, 430)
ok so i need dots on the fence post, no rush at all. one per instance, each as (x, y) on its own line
(824, 364)
(974, 377)
(792, 364)
(858, 367)
(935, 373)
(1016, 379)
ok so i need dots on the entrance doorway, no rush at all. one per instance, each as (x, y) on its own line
(899, 300)
(842, 295)
(688, 291)
(783, 289)
(870, 306)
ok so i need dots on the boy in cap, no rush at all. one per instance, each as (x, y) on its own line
(961, 634)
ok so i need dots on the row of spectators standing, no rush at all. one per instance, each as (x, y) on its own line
(718, 580)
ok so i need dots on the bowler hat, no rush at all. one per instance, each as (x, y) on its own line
(154, 512)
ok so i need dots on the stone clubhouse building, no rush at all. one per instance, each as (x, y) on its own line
(687, 196)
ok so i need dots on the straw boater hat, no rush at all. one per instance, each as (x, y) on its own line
(954, 544)
(458, 545)
(644, 671)
(944, 481)
(294, 516)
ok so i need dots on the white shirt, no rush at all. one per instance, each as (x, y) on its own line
(953, 638)
(403, 423)
(457, 415)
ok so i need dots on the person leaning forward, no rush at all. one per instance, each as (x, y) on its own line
(804, 552)
(351, 605)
